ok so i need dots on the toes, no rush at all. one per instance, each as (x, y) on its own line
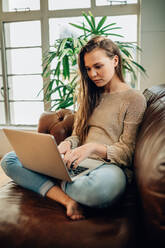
(69, 212)
(74, 212)
(77, 217)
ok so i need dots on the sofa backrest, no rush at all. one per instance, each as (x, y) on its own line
(149, 162)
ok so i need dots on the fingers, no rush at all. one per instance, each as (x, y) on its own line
(64, 147)
(76, 155)
(72, 159)
(76, 163)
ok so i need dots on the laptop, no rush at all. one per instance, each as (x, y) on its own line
(39, 152)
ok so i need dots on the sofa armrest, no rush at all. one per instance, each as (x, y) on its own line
(150, 165)
(57, 123)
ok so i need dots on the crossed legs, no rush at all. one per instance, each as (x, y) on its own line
(100, 188)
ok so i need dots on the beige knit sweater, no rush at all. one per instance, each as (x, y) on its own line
(115, 123)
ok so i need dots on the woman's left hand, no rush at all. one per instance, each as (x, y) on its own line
(78, 154)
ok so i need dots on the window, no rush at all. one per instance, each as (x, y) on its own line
(2, 106)
(24, 59)
(128, 31)
(65, 4)
(19, 5)
(60, 28)
(111, 2)
(29, 28)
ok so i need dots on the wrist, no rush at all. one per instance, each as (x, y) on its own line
(100, 150)
(67, 142)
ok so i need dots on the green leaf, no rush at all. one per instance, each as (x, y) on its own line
(48, 89)
(50, 58)
(92, 19)
(125, 46)
(75, 43)
(54, 106)
(66, 52)
(82, 42)
(125, 67)
(105, 30)
(139, 66)
(73, 80)
(80, 27)
(126, 52)
(66, 103)
(61, 45)
(66, 71)
(128, 66)
(57, 69)
(111, 24)
(101, 22)
(57, 89)
(118, 35)
(89, 22)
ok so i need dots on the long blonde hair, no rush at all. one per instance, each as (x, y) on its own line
(88, 94)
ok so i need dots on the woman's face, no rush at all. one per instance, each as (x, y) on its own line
(100, 68)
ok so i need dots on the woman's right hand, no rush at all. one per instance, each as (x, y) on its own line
(64, 147)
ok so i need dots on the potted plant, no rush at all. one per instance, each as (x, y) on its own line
(63, 77)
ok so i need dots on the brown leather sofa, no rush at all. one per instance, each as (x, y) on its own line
(138, 220)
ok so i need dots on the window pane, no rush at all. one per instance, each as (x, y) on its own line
(26, 112)
(128, 24)
(24, 61)
(2, 105)
(60, 28)
(2, 111)
(25, 87)
(1, 90)
(20, 5)
(68, 4)
(22, 34)
(109, 2)
(0, 63)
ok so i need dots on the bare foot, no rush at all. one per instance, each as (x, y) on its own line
(74, 211)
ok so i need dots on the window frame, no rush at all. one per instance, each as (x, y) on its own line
(43, 15)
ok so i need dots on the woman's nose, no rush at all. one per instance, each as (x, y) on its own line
(93, 73)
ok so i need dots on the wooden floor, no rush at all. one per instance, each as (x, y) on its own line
(3, 178)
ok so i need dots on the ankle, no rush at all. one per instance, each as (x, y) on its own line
(69, 201)
(56, 193)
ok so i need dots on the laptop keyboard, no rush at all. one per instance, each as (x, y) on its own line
(78, 170)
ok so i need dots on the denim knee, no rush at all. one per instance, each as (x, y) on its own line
(7, 161)
(99, 189)
(104, 195)
(26, 178)
(113, 187)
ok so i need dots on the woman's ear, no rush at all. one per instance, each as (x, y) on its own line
(116, 60)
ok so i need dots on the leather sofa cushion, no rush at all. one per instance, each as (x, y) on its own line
(29, 220)
(150, 165)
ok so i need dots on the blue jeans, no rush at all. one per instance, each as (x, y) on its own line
(99, 188)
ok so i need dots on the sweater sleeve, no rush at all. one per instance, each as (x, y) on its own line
(122, 151)
(74, 140)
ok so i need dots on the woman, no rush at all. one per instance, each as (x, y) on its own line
(106, 124)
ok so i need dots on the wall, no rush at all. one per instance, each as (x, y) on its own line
(153, 42)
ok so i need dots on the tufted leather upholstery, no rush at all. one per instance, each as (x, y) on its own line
(59, 124)
(150, 165)
(138, 220)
